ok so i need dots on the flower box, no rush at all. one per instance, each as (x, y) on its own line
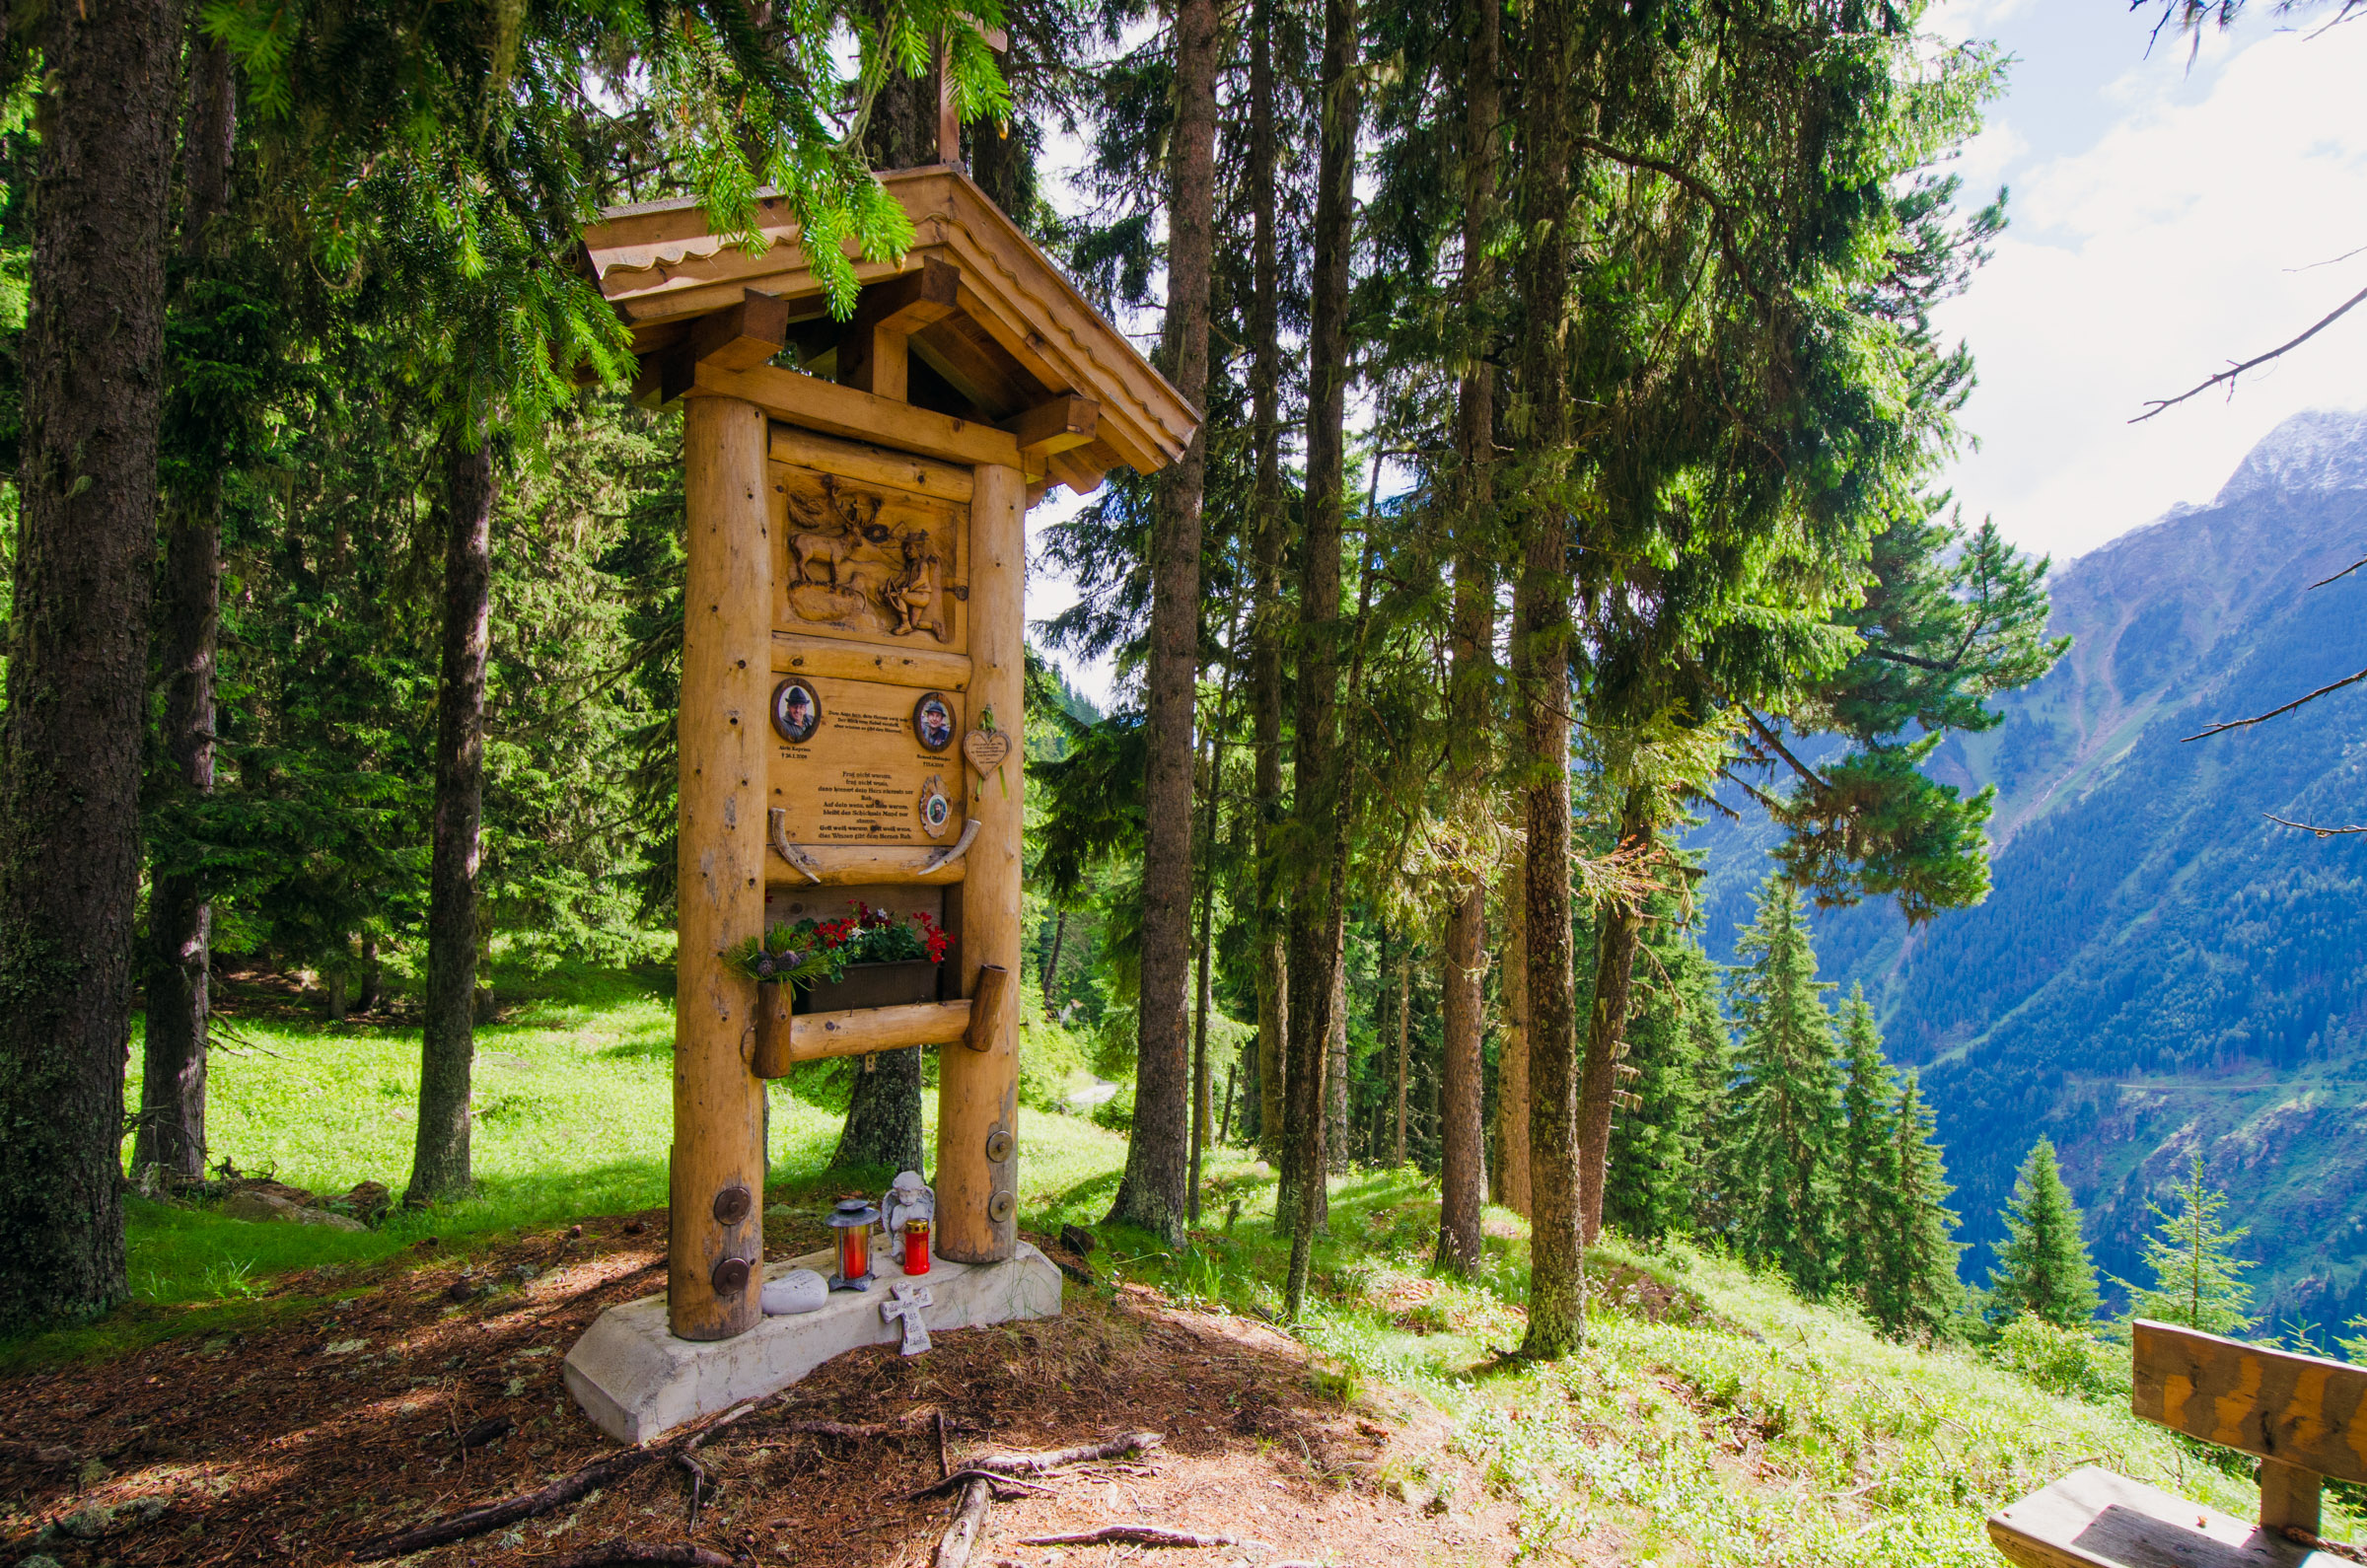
(870, 985)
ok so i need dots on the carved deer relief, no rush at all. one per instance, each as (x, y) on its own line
(826, 533)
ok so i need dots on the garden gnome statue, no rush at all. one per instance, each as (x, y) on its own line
(907, 1198)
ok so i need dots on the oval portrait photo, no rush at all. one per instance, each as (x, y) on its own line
(933, 721)
(795, 711)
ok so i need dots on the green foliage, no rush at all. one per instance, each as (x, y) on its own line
(1784, 1127)
(1117, 1112)
(2064, 1360)
(1867, 1142)
(1676, 1043)
(1911, 1289)
(2197, 1279)
(2043, 1271)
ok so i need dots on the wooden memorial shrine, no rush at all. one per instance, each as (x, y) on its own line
(851, 665)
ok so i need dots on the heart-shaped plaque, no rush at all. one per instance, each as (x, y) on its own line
(987, 750)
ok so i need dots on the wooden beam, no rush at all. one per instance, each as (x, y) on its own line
(1074, 470)
(742, 337)
(784, 1039)
(872, 355)
(992, 1009)
(1066, 422)
(975, 365)
(838, 659)
(851, 865)
(2300, 1410)
(851, 459)
(837, 410)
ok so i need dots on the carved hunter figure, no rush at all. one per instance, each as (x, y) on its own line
(915, 595)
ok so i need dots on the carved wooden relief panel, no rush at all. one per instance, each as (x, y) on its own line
(868, 563)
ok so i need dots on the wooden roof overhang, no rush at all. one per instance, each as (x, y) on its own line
(972, 348)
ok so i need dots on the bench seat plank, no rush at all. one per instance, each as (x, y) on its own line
(2095, 1519)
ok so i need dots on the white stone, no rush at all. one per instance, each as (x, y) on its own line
(801, 1290)
(636, 1381)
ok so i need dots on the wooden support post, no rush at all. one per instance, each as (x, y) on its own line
(2288, 1497)
(978, 1090)
(715, 1185)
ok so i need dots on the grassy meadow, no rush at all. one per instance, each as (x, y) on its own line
(1713, 1418)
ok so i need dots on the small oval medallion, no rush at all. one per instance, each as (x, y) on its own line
(730, 1276)
(998, 1145)
(732, 1205)
(999, 1207)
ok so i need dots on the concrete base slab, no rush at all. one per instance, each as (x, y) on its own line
(636, 1381)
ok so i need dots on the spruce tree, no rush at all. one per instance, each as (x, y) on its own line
(2043, 1270)
(1911, 1290)
(1676, 1043)
(1786, 1119)
(1866, 1104)
(2197, 1280)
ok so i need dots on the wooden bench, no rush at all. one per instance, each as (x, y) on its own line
(2301, 1416)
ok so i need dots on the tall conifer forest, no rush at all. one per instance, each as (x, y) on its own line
(1574, 412)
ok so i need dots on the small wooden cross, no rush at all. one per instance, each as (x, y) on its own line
(949, 117)
(905, 1301)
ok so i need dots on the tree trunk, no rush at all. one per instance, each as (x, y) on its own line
(1462, 1146)
(1321, 841)
(1051, 965)
(1339, 1148)
(93, 365)
(448, 1039)
(180, 988)
(1404, 976)
(1265, 619)
(1203, 1113)
(1224, 1124)
(1541, 640)
(1154, 1190)
(1621, 928)
(883, 1119)
(1512, 1057)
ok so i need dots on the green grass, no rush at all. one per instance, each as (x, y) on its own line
(573, 1116)
(1712, 1418)
(1731, 1424)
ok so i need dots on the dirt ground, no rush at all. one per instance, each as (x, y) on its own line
(438, 1388)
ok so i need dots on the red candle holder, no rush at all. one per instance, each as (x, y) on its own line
(917, 1247)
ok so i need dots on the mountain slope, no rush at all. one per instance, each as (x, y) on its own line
(2160, 968)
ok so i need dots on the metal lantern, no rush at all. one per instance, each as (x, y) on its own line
(853, 1219)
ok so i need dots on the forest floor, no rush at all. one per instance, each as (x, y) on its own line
(280, 1393)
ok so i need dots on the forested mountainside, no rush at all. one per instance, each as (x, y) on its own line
(2159, 968)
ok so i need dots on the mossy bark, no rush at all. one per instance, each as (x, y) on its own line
(92, 362)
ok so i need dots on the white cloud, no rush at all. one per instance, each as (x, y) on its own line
(2179, 239)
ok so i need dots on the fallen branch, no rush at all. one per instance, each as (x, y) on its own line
(962, 1535)
(856, 1432)
(1039, 1463)
(698, 1487)
(961, 1478)
(1143, 1535)
(632, 1551)
(492, 1515)
(566, 1490)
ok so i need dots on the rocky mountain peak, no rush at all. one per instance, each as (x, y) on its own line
(2324, 448)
